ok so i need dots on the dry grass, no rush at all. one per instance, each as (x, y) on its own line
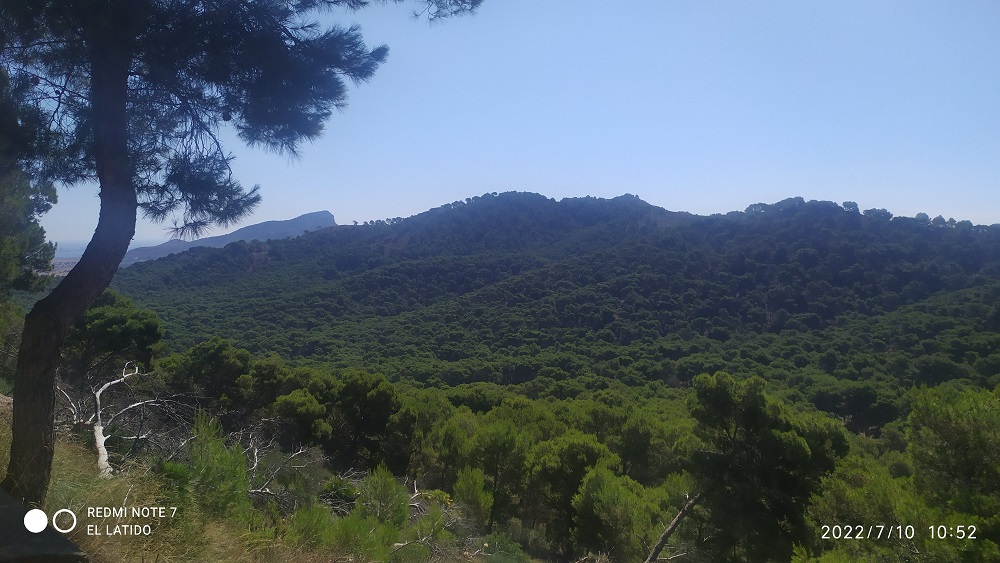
(6, 406)
(5, 413)
(186, 538)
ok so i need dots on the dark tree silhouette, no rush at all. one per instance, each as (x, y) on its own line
(133, 93)
(23, 249)
(755, 468)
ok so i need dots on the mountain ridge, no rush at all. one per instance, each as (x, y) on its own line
(620, 270)
(265, 230)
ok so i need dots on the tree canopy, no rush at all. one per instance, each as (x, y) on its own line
(544, 363)
(131, 94)
(181, 69)
(24, 253)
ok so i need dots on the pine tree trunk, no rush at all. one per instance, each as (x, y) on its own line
(46, 326)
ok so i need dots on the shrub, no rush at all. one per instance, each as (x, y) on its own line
(501, 549)
(218, 473)
(382, 498)
(365, 538)
(470, 490)
(312, 526)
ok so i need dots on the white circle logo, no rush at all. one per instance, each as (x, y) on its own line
(56, 515)
(35, 520)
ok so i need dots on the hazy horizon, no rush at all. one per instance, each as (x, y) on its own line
(692, 106)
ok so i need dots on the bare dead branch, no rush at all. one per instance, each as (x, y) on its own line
(74, 410)
(263, 488)
(138, 437)
(665, 536)
(180, 447)
(138, 404)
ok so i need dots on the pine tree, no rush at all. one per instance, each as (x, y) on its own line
(133, 93)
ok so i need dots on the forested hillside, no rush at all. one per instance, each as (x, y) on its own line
(576, 373)
(509, 275)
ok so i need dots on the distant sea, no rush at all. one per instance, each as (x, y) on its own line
(72, 250)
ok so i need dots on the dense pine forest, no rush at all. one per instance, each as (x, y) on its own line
(513, 378)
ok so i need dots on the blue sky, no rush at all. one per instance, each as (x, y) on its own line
(698, 106)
